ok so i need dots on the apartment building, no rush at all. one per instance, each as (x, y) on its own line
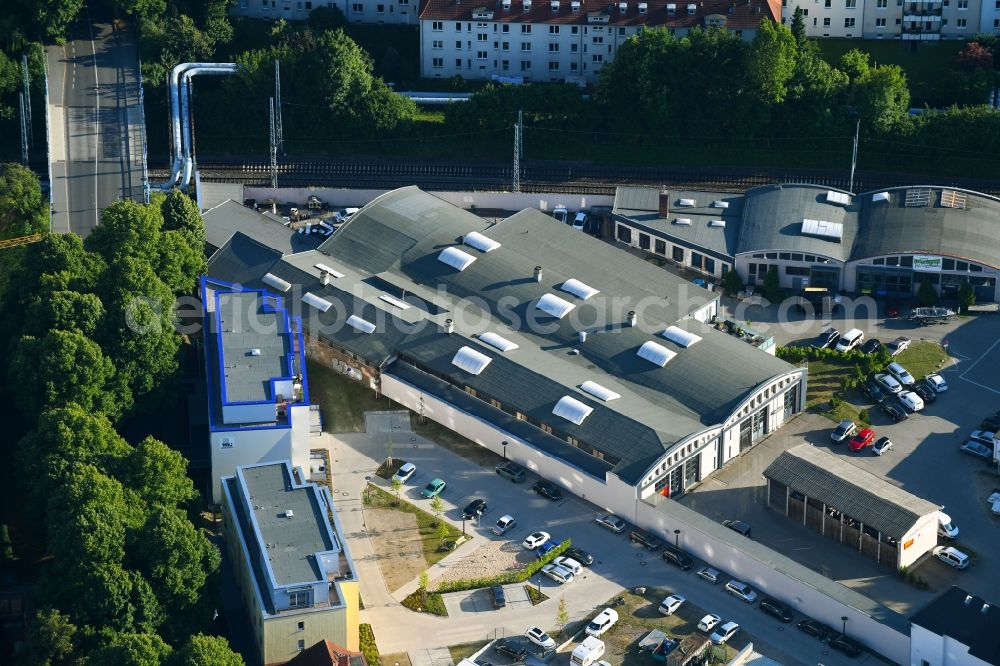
(906, 20)
(357, 11)
(560, 40)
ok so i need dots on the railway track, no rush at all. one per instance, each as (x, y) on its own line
(570, 179)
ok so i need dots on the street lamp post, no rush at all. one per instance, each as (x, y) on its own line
(677, 539)
(463, 524)
(504, 445)
(843, 618)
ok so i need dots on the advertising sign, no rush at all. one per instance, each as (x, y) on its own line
(926, 263)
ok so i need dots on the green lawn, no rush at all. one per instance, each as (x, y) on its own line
(376, 498)
(343, 400)
(927, 68)
(465, 650)
(825, 376)
(923, 358)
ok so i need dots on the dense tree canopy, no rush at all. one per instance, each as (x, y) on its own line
(22, 209)
(200, 650)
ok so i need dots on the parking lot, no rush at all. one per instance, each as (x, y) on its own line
(925, 460)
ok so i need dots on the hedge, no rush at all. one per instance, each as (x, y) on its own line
(368, 647)
(507, 578)
(796, 354)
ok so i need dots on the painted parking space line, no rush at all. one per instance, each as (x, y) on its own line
(973, 367)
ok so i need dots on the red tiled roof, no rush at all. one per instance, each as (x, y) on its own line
(739, 14)
(327, 653)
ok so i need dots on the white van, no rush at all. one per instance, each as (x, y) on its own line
(588, 652)
(946, 528)
(850, 340)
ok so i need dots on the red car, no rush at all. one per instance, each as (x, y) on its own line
(862, 439)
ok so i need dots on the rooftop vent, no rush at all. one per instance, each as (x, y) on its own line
(497, 341)
(968, 599)
(655, 353)
(392, 300)
(687, 203)
(553, 305)
(952, 199)
(680, 337)
(917, 197)
(717, 223)
(255, 352)
(880, 196)
(598, 391)
(575, 5)
(470, 360)
(323, 268)
(642, 7)
(505, 4)
(480, 242)
(361, 325)
(583, 336)
(320, 304)
(272, 280)
(720, 204)
(683, 221)
(630, 318)
(985, 609)
(527, 5)
(449, 326)
(456, 258)
(538, 273)
(578, 289)
(289, 514)
(572, 409)
(823, 229)
(555, 5)
(840, 198)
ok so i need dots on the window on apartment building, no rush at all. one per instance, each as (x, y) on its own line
(553, 30)
(660, 247)
(963, 4)
(996, 23)
(505, 46)
(597, 57)
(805, 12)
(458, 43)
(505, 27)
(458, 62)
(359, 8)
(525, 65)
(574, 30)
(814, 22)
(880, 23)
(826, 22)
(380, 9)
(828, 3)
(244, 4)
(481, 55)
(483, 26)
(437, 44)
(553, 66)
(298, 5)
(849, 22)
(573, 67)
(961, 23)
(482, 37)
(525, 47)
(678, 254)
(505, 65)
(598, 40)
(573, 48)
(437, 63)
(621, 32)
(526, 29)
(553, 48)
(302, 626)
(882, 4)
(899, 21)
(851, 4)
(944, 22)
(436, 26)
(301, 645)
(299, 599)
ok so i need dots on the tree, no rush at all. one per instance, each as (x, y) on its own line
(974, 56)
(799, 26)
(180, 213)
(882, 98)
(131, 649)
(148, 9)
(396, 486)
(175, 557)
(388, 451)
(771, 286)
(966, 296)
(10, 78)
(855, 63)
(202, 650)
(562, 615)
(926, 294)
(322, 19)
(49, 639)
(128, 229)
(158, 474)
(771, 63)
(422, 582)
(437, 506)
(64, 310)
(732, 283)
(442, 531)
(22, 209)
(54, 16)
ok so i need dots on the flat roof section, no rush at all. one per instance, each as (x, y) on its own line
(968, 619)
(255, 345)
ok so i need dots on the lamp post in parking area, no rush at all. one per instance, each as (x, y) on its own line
(843, 619)
(504, 445)
(677, 539)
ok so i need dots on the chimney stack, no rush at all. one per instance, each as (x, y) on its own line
(538, 273)
(665, 203)
(583, 336)
(630, 318)
(449, 326)
(324, 278)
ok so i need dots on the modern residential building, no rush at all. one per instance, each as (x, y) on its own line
(258, 396)
(851, 506)
(956, 629)
(881, 243)
(907, 20)
(595, 369)
(294, 571)
(560, 40)
(356, 11)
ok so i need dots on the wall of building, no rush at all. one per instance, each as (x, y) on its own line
(283, 639)
(829, 18)
(924, 538)
(239, 414)
(932, 649)
(248, 447)
(709, 265)
(960, 18)
(290, 10)
(244, 576)
(883, 19)
(356, 11)
(854, 283)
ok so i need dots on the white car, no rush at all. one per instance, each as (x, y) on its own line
(951, 556)
(504, 525)
(611, 522)
(604, 621)
(561, 214)
(404, 473)
(911, 401)
(534, 540)
(724, 633)
(708, 622)
(937, 382)
(898, 346)
(579, 221)
(889, 382)
(569, 563)
(557, 573)
(900, 373)
(670, 605)
(882, 445)
(539, 637)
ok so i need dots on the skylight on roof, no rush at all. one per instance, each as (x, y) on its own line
(680, 337)
(391, 300)
(823, 229)
(880, 196)
(456, 258)
(717, 223)
(598, 391)
(497, 341)
(685, 221)
(688, 203)
(320, 304)
(578, 289)
(655, 353)
(272, 280)
(470, 360)
(361, 325)
(480, 242)
(554, 306)
(323, 268)
(572, 409)
(720, 204)
(842, 198)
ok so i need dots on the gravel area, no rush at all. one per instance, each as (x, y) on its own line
(490, 559)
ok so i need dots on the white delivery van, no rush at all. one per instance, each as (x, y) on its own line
(946, 528)
(588, 652)
(850, 340)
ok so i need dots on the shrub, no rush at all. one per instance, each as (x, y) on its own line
(368, 647)
(927, 295)
(506, 578)
(732, 283)
(433, 603)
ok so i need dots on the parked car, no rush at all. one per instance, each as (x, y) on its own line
(670, 605)
(580, 221)
(546, 548)
(474, 509)
(709, 574)
(738, 526)
(538, 636)
(936, 382)
(510, 649)
(708, 622)
(561, 214)
(888, 382)
(871, 346)
(978, 449)
(775, 608)
(864, 438)
(925, 392)
(844, 429)
(510, 470)
(433, 489)
(951, 556)
(845, 644)
(569, 563)
(534, 540)
(580, 555)
(741, 591)
(548, 490)
(404, 473)
(947, 529)
(850, 340)
(344, 214)
(645, 539)
(602, 622)
(983, 436)
(892, 409)
(612, 522)
(991, 423)
(882, 445)
(898, 346)
(678, 558)
(892, 309)
(911, 401)
(558, 573)
(873, 390)
(827, 337)
(814, 628)
(504, 524)
(724, 633)
(901, 374)
(499, 597)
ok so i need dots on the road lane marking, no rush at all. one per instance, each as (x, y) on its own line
(977, 362)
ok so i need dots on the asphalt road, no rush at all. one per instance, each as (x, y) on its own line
(95, 123)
